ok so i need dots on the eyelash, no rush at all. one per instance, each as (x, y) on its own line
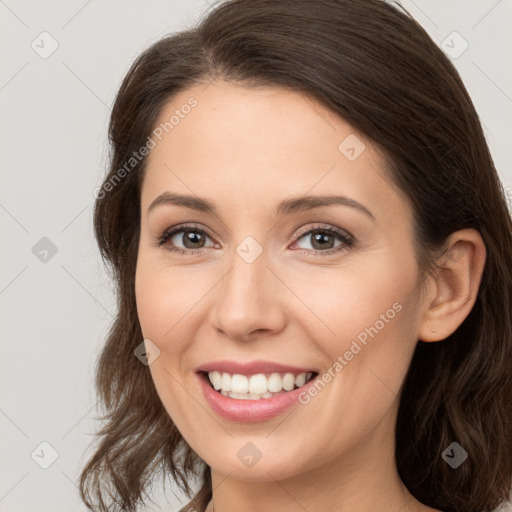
(347, 239)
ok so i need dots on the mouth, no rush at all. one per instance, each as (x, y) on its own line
(259, 386)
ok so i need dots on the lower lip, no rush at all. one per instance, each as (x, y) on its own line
(249, 410)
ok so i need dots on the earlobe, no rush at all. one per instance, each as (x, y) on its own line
(454, 285)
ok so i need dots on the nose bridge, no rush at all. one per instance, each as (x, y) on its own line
(246, 300)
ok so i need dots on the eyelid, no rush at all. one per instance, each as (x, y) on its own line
(170, 232)
(325, 227)
(347, 239)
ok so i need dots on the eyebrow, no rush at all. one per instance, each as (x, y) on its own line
(286, 207)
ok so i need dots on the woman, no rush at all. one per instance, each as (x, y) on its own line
(313, 258)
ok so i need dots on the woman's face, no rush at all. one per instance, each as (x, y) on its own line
(250, 280)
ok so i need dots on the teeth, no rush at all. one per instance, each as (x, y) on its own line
(258, 383)
(239, 384)
(225, 383)
(300, 380)
(216, 380)
(288, 381)
(257, 386)
(275, 383)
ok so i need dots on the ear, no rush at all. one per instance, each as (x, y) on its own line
(453, 288)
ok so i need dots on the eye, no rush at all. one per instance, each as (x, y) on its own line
(323, 240)
(191, 237)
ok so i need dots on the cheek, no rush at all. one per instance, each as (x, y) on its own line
(165, 300)
(357, 301)
(365, 323)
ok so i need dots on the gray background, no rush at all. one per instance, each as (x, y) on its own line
(56, 306)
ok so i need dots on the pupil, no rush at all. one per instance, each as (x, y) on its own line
(321, 239)
(192, 237)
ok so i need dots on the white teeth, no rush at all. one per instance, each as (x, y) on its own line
(226, 382)
(258, 383)
(289, 381)
(240, 396)
(275, 383)
(244, 396)
(256, 386)
(239, 383)
(216, 380)
(300, 380)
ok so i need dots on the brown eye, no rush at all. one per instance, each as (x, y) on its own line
(324, 240)
(321, 240)
(191, 239)
(184, 238)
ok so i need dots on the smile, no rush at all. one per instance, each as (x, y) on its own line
(243, 406)
(258, 386)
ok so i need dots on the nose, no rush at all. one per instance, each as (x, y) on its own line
(248, 301)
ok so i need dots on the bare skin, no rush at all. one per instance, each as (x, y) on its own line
(246, 150)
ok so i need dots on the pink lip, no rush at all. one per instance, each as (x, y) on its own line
(249, 410)
(251, 368)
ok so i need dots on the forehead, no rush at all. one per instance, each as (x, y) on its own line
(255, 146)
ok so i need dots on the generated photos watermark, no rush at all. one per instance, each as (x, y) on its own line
(355, 348)
(151, 143)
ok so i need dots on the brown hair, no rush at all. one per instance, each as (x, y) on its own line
(374, 66)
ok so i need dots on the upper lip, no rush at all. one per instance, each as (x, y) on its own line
(250, 368)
